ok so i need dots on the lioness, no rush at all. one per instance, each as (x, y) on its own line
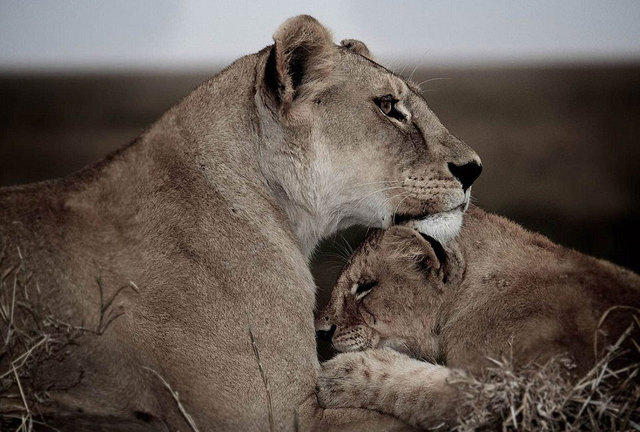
(497, 290)
(212, 213)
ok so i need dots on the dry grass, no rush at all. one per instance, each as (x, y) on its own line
(547, 397)
(32, 335)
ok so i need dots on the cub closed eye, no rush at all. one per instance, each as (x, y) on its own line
(364, 288)
(387, 105)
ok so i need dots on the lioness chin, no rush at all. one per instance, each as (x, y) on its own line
(497, 291)
(212, 213)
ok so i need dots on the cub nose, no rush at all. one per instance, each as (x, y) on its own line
(326, 335)
(467, 173)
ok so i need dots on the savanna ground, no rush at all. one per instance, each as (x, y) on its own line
(559, 146)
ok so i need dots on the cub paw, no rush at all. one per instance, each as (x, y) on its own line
(340, 382)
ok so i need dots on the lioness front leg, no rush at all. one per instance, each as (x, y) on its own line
(416, 392)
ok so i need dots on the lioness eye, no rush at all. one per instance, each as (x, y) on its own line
(387, 105)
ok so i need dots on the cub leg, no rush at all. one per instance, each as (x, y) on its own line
(384, 380)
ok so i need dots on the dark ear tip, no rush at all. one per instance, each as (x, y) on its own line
(438, 249)
(356, 46)
(426, 237)
(347, 43)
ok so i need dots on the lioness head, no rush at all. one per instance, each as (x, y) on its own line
(387, 293)
(348, 141)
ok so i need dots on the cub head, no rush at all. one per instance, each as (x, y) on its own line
(347, 141)
(388, 294)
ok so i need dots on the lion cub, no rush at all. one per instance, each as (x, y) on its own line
(496, 290)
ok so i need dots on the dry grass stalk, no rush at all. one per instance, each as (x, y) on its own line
(265, 380)
(176, 397)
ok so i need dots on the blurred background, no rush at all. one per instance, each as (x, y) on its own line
(547, 92)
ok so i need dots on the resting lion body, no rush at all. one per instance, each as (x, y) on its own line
(496, 291)
(212, 214)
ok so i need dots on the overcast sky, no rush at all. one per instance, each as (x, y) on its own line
(142, 34)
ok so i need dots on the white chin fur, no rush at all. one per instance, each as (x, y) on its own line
(441, 226)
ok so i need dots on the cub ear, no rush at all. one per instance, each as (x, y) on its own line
(357, 47)
(408, 244)
(300, 59)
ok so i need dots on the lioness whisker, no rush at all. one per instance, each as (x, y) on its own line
(391, 198)
(431, 79)
(390, 182)
(358, 203)
(338, 255)
(347, 245)
(395, 211)
(342, 251)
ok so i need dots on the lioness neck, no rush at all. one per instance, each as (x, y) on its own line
(296, 169)
(311, 201)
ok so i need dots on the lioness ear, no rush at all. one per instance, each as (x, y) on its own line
(300, 59)
(406, 243)
(357, 47)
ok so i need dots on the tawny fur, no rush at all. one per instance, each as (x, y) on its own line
(212, 213)
(496, 291)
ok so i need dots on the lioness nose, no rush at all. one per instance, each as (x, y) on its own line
(467, 173)
(326, 334)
